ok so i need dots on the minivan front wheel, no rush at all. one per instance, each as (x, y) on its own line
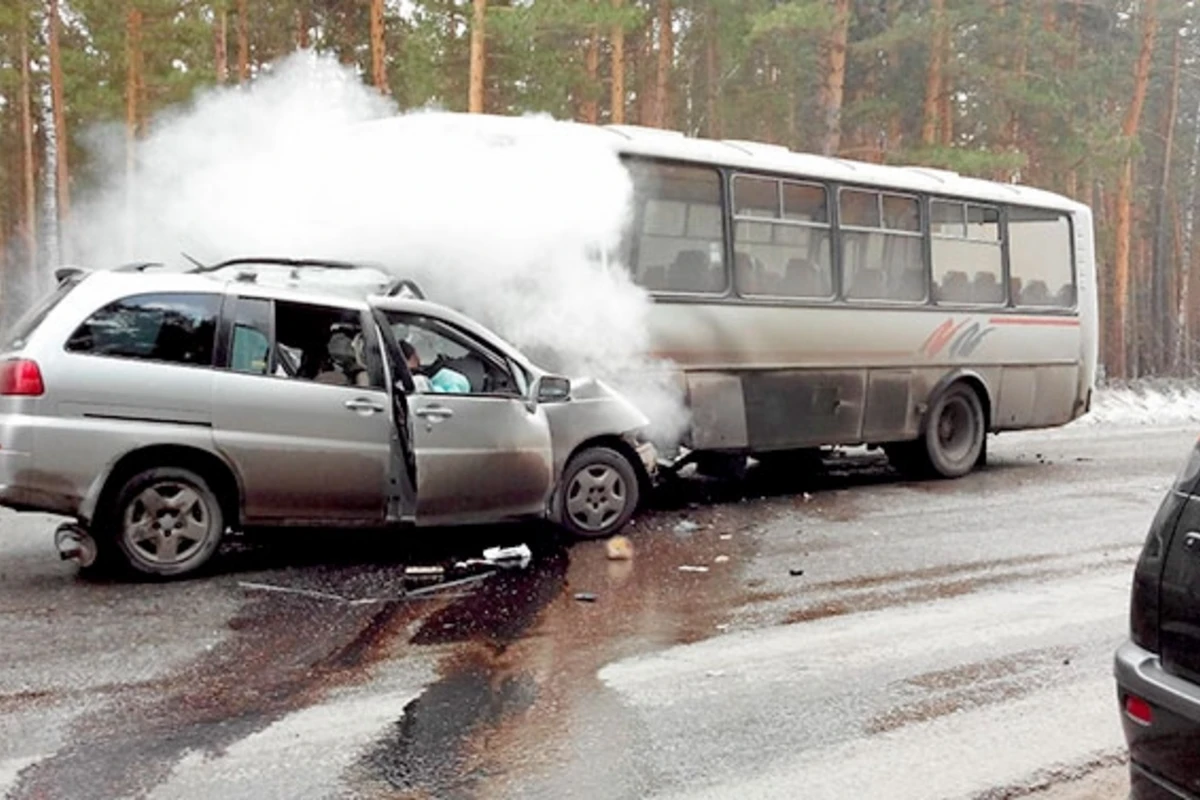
(167, 521)
(598, 494)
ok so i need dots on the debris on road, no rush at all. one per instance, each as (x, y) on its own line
(270, 587)
(686, 526)
(619, 548)
(720, 559)
(425, 573)
(692, 568)
(586, 597)
(518, 556)
(725, 537)
(795, 572)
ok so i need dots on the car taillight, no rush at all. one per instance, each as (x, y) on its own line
(1138, 710)
(21, 377)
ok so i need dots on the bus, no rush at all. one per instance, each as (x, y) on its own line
(812, 301)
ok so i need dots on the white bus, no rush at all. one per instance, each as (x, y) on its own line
(812, 301)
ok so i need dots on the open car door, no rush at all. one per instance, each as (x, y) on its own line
(402, 471)
(481, 446)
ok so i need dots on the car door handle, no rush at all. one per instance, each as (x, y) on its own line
(434, 413)
(363, 406)
(1191, 542)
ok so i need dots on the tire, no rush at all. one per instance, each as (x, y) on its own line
(598, 494)
(165, 522)
(954, 441)
(955, 432)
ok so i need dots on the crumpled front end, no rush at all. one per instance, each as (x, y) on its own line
(596, 410)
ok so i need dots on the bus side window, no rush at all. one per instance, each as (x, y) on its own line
(882, 246)
(1040, 258)
(679, 243)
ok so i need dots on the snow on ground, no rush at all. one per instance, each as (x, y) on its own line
(1146, 402)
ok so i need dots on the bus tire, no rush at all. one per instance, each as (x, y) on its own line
(955, 432)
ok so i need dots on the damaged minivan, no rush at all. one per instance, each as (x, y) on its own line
(160, 409)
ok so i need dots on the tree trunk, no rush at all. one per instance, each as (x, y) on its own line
(933, 77)
(28, 171)
(478, 57)
(1183, 326)
(646, 101)
(1159, 277)
(1124, 201)
(243, 37)
(221, 46)
(712, 77)
(589, 107)
(666, 59)
(835, 77)
(62, 171)
(133, 74)
(378, 48)
(894, 132)
(303, 27)
(617, 101)
(133, 114)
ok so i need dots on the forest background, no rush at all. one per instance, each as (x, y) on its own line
(1096, 99)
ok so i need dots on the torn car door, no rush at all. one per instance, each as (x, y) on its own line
(401, 487)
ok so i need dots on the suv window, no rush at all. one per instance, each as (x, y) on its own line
(317, 343)
(444, 359)
(175, 328)
(16, 336)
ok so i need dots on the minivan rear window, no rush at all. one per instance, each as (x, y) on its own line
(15, 337)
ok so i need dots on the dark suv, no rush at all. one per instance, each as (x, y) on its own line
(1158, 669)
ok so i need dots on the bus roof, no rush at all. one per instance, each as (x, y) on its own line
(755, 156)
(758, 156)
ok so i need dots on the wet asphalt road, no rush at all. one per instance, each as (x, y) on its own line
(842, 635)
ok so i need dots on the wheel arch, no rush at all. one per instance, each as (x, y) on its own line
(613, 442)
(970, 378)
(222, 478)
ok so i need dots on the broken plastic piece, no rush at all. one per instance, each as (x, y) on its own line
(686, 526)
(425, 572)
(585, 597)
(692, 568)
(795, 573)
(518, 556)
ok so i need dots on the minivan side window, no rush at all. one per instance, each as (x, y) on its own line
(173, 328)
(324, 344)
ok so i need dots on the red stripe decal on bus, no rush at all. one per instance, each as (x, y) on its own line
(1056, 322)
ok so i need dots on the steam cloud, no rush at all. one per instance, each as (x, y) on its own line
(498, 226)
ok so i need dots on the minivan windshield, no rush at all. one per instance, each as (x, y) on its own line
(14, 337)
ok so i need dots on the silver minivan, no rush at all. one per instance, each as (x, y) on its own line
(159, 409)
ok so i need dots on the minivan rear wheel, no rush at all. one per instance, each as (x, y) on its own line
(598, 494)
(166, 522)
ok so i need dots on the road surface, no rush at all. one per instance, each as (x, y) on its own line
(841, 635)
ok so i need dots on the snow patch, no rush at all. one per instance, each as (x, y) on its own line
(1150, 402)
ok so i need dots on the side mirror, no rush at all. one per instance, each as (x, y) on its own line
(552, 389)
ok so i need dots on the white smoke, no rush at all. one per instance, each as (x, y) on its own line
(308, 162)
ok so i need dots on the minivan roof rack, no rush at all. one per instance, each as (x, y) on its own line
(282, 262)
(64, 274)
(405, 284)
(138, 266)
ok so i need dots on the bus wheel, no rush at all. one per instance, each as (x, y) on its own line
(955, 432)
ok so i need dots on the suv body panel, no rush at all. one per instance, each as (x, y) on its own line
(300, 452)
